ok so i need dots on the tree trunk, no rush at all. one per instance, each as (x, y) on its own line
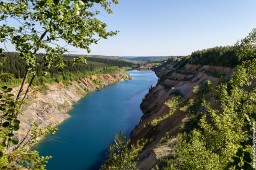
(30, 83)
(22, 84)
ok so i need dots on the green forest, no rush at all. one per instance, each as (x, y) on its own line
(13, 64)
(226, 56)
(13, 68)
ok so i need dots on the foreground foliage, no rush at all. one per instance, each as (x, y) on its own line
(122, 155)
(34, 27)
(12, 155)
(223, 132)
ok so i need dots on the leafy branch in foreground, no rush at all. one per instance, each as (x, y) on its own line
(15, 154)
(122, 154)
(41, 25)
(33, 27)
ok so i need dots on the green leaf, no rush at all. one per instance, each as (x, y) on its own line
(16, 127)
(1, 154)
(10, 134)
(6, 124)
(4, 87)
(10, 95)
(10, 110)
(56, 2)
(15, 141)
(9, 117)
(239, 152)
(16, 121)
(247, 166)
(236, 160)
(41, 3)
(11, 103)
(9, 89)
(3, 144)
(247, 157)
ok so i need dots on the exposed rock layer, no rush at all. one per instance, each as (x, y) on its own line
(49, 106)
(172, 81)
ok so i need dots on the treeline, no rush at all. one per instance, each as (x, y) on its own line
(220, 56)
(14, 65)
(112, 62)
(226, 56)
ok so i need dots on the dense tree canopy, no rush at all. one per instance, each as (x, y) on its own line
(221, 56)
(14, 65)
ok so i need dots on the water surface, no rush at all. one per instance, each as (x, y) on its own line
(82, 141)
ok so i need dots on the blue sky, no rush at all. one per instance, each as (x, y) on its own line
(175, 27)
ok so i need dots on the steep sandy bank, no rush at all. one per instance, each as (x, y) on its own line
(49, 106)
(173, 81)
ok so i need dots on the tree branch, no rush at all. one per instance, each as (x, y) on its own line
(27, 72)
(30, 83)
(42, 37)
(25, 137)
(23, 83)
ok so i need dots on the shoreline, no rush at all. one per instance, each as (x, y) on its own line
(51, 106)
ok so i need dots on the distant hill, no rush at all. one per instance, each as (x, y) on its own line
(95, 56)
(146, 58)
(105, 57)
(136, 59)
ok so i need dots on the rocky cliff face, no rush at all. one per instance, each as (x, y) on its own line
(173, 81)
(49, 106)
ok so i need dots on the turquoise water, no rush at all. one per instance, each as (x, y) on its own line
(81, 142)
